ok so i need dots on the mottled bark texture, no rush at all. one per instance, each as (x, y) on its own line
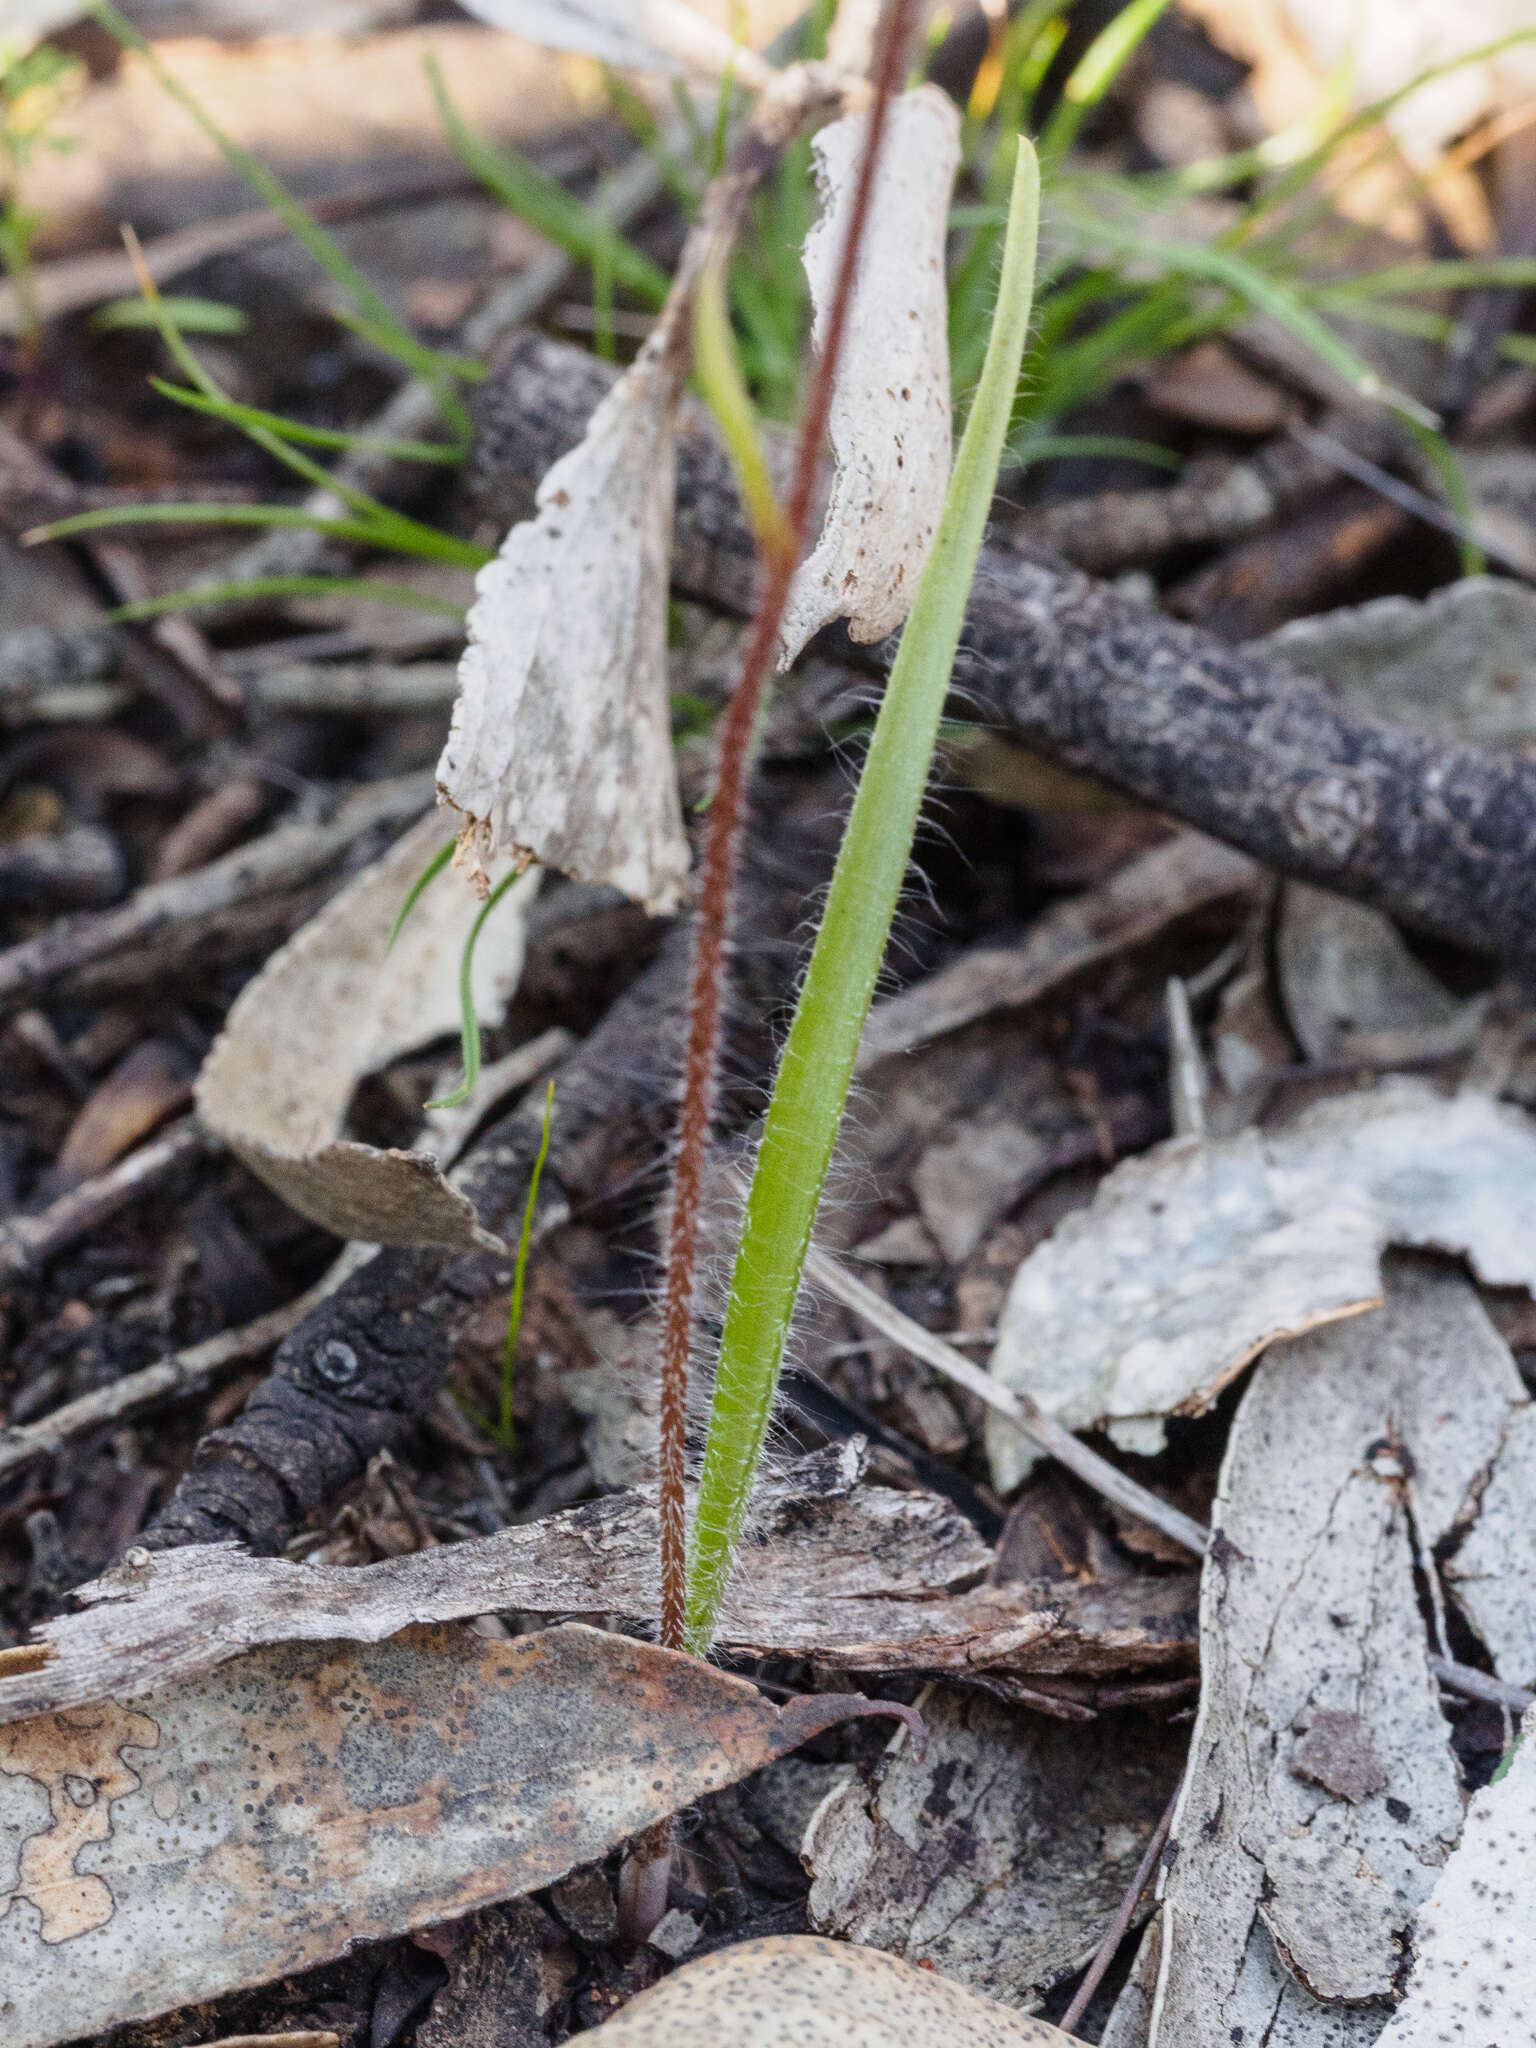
(1436, 833)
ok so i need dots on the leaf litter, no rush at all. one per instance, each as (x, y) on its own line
(332, 1005)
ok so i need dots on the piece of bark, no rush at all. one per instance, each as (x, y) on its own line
(854, 1576)
(1355, 1450)
(191, 906)
(1438, 834)
(262, 1818)
(1193, 1257)
(997, 1857)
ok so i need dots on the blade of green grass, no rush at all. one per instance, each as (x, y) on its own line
(520, 1271)
(543, 202)
(192, 316)
(1095, 72)
(243, 416)
(811, 1087)
(469, 1023)
(418, 889)
(339, 267)
(1108, 447)
(436, 547)
(400, 594)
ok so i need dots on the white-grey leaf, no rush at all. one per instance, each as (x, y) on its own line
(1474, 1940)
(1193, 1257)
(560, 749)
(336, 1003)
(1322, 1793)
(890, 420)
(644, 35)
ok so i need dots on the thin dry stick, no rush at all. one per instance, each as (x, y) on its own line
(1114, 1934)
(718, 873)
(1026, 1415)
(1477, 1685)
(27, 1241)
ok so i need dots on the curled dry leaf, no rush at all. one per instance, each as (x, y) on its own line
(1352, 988)
(819, 1994)
(1322, 1793)
(264, 1817)
(890, 419)
(1474, 1941)
(560, 749)
(857, 1576)
(1192, 1258)
(332, 1005)
(644, 35)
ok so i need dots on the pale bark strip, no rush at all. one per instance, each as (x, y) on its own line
(1322, 1794)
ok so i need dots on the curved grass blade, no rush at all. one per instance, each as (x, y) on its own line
(431, 546)
(469, 1023)
(340, 438)
(506, 1430)
(811, 1087)
(400, 594)
(418, 889)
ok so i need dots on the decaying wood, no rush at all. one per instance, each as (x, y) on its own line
(1474, 1938)
(997, 1856)
(187, 908)
(260, 1819)
(819, 1994)
(1322, 1795)
(1437, 833)
(1193, 1257)
(855, 1576)
(1141, 900)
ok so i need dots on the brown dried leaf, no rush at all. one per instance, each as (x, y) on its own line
(857, 1576)
(819, 1994)
(560, 749)
(1193, 1257)
(332, 1005)
(890, 421)
(263, 1818)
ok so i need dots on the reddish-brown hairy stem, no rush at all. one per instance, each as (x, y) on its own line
(721, 847)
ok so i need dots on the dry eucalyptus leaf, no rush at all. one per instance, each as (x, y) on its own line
(1322, 1793)
(643, 35)
(999, 1856)
(1461, 661)
(266, 1816)
(796, 1989)
(890, 420)
(560, 749)
(1193, 1257)
(1474, 1941)
(856, 1576)
(1352, 988)
(334, 1004)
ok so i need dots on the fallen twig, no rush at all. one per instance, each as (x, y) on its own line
(1477, 1685)
(27, 1241)
(1117, 1929)
(291, 855)
(1436, 833)
(821, 1270)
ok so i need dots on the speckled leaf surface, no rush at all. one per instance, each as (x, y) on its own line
(1196, 1255)
(260, 1819)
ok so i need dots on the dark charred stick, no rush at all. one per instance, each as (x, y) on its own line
(1434, 832)
(367, 1362)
